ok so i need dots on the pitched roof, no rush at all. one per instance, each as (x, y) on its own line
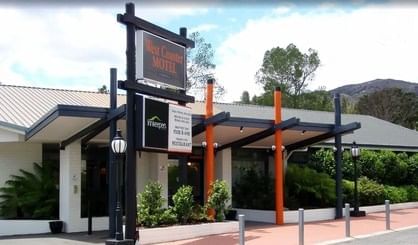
(21, 107)
(373, 131)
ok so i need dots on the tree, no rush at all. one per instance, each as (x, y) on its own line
(245, 98)
(392, 105)
(288, 68)
(200, 67)
(103, 89)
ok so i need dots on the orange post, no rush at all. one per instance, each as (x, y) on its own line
(209, 151)
(278, 157)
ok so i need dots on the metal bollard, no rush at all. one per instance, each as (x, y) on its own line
(301, 226)
(387, 208)
(241, 219)
(347, 219)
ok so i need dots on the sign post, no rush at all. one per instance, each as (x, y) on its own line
(159, 57)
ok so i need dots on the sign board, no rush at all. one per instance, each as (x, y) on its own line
(160, 61)
(166, 127)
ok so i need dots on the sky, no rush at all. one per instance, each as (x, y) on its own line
(73, 46)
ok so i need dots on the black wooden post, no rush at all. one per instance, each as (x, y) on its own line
(111, 162)
(130, 191)
(338, 159)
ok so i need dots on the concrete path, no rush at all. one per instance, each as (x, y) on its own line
(329, 232)
(398, 237)
(315, 232)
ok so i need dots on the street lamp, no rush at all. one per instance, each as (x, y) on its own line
(118, 147)
(355, 154)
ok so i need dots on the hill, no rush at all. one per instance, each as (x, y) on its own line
(355, 91)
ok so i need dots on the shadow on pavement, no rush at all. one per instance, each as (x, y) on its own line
(98, 237)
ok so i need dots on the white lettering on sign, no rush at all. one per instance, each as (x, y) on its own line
(179, 129)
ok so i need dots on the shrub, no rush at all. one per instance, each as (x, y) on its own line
(199, 214)
(323, 161)
(31, 195)
(394, 170)
(368, 164)
(183, 203)
(412, 169)
(412, 192)
(150, 211)
(370, 192)
(307, 188)
(217, 198)
(254, 190)
(348, 192)
(396, 194)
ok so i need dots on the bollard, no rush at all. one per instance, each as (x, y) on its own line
(387, 208)
(241, 219)
(301, 228)
(347, 219)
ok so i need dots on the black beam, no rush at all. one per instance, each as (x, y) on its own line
(103, 124)
(157, 92)
(338, 160)
(289, 123)
(111, 163)
(154, 29)
(248, 122)
(318, 127)
(130, 164)
(341, 130)
(214, 120)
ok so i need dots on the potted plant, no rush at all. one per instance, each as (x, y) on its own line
(217, 199)
(56, 226)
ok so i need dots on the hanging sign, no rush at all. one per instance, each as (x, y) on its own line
(166, 127)
(160, 61)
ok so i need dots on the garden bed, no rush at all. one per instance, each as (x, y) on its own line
(179, 232)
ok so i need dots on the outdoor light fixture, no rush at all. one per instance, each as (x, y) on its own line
(283, 148)
(303, 132)
(118, 147)
(118, 143)
(204, 144)
(355, 154)
(241, 129)
(273, 147)
(215, 145)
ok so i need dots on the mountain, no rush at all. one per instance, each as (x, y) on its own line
(355, 91)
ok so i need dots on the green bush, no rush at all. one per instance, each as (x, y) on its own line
(412, 193)
(183, 203)
(31, 195)
(254, 190)
(412, 166)
(323, 161)
(150, 211)
(348, 192)
(368, 164)
(307, 188)
(396, 194)
(394, 170)
(370, 192)
(217, 198)
(199, 214)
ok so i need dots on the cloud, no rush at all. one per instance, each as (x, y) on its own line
(203, 28)
(68, 47)
(354, 45)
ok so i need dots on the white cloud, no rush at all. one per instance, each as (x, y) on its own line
(70, 47)
(354, 46)
(203, 28)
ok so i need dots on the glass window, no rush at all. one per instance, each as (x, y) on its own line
(252, 179)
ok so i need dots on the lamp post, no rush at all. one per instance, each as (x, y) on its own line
(355, 154)
(119, 148)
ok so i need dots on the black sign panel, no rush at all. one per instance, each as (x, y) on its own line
(155, 124)
(160, 61)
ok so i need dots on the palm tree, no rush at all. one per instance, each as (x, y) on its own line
(31, 195)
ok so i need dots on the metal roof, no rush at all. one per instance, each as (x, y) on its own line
(21, 107)
(374, 132)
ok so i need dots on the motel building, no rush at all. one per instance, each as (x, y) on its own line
(70, 129)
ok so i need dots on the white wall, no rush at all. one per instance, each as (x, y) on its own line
(23, 227)
(152, 167)
(9, 136)
(15, 156)
(223, 168)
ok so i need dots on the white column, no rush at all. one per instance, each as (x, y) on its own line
(223, 167)
(152, 167)
(69, 189)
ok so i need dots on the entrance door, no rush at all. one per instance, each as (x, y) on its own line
(185, 171)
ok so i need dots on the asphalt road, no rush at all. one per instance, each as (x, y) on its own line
(403, 237)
